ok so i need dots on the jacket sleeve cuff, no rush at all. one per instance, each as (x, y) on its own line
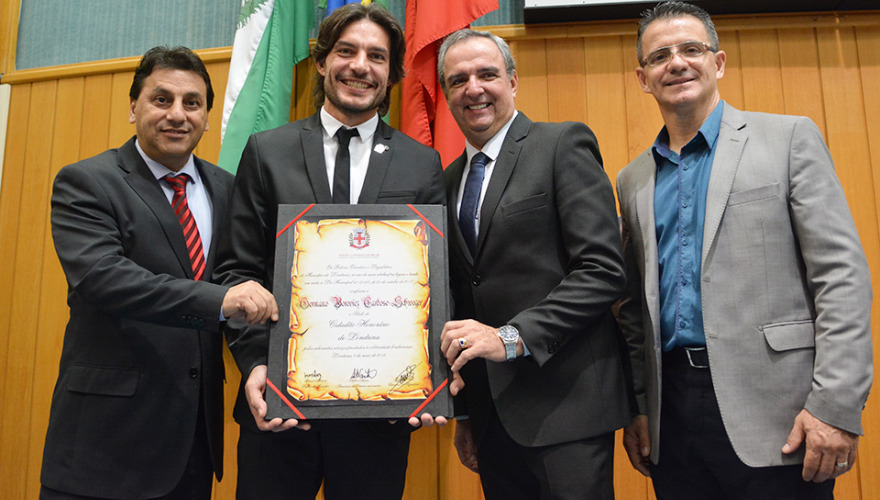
(835, 415)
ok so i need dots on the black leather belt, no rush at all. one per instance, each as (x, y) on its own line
(695, 357)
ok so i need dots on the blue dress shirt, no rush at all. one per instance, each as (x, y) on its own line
(680, 212)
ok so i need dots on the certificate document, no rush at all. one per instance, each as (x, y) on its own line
(363, 297)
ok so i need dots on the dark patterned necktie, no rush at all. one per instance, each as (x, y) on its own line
(341, 172)
(470, 200)
(188, 223)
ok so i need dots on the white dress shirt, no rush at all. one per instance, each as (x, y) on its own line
(491, 149)
(196, 194)
(359, 151)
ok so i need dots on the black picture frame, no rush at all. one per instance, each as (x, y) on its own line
(283, 401)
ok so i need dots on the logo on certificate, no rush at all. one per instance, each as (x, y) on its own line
(359, 238)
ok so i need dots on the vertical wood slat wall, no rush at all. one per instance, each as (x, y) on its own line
(821, 66)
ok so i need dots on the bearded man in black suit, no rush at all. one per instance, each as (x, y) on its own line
(359, 57)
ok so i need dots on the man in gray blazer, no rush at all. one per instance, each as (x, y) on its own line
(137, 411)
(749, 299)
(535, 266)
(359, 57)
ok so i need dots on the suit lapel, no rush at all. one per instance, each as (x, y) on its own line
(147, 188)
(219, 197)
(501, 172)
(731, 142)
(312, 143)
(380, 160)
(644, 199)
(453, 173)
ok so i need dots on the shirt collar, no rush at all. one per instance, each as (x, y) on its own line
(365, 130)
(708, 134)
(492, 148)
(159, 171)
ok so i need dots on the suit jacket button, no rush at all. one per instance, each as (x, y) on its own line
(193, 372)
(476, 280)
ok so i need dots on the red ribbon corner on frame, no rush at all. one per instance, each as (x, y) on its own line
(303, 417)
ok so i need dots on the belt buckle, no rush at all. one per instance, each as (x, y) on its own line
(690, 351)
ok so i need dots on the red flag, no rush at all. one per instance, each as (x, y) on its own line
(424, 114)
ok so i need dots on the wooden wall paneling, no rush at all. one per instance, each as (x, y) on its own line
(209, 147)
(302, 89)
(50, 324)
(801, 82)
(643, 120)
(868, 52)
(605, 92)
(95, 115)
(456, 481)
(566, 79)
(120, 129)
(53, 312)
(9, 10)
(848, 141)
(27, 263)
(10, 197)
(10, 203)
(868, 41)
(225, 489)
(639, 118)
(393, 115)
(629, 483)
(606, 101)
(762, 75)
(846, 121)
(68, 130)
(651, 494)
(422, 482)
(531, 68)
(731, 84)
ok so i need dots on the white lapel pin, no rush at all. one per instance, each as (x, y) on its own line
(381, 148)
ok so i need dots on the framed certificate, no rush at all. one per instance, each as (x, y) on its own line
(363, 298)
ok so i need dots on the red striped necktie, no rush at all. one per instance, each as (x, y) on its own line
(190, 230)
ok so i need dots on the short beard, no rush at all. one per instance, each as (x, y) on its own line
(331, 95)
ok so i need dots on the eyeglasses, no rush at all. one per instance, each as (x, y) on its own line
(690, 50)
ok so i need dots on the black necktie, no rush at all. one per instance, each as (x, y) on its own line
(341, 173)
(470, 200)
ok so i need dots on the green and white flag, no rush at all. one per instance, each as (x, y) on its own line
(272, 36)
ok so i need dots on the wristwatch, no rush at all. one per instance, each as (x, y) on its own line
(509, 335)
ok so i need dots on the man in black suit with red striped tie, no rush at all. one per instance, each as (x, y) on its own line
(137, 411)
